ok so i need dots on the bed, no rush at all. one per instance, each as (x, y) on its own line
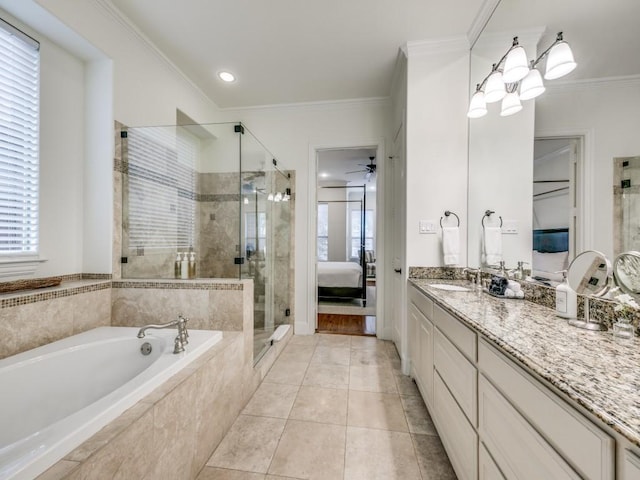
(342, 280)
(550, 254)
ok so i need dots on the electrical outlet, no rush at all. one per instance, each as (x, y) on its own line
(510, 227)
(426, 226)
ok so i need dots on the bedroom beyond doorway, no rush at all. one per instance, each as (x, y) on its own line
(346, 241)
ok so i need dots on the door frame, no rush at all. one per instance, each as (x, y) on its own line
(312, 213)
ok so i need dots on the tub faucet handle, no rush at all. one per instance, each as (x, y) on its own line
(183, 333)
(178, 347)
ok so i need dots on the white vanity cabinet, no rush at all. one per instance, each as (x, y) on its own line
(495, 418)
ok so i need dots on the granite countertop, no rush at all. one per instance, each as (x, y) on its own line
(597, 370)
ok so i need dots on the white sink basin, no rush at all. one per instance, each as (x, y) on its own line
(451, 288)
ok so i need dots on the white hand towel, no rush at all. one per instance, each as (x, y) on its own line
(515, 286)
(451, 245)
(492, 245)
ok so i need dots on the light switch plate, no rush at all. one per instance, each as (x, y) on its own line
(427, 226)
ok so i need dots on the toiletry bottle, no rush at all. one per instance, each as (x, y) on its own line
(177, 267)
(192, 265)
(566, 299)
(184, 266)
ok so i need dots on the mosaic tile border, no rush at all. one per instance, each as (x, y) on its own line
(56, 292)
(178, 285)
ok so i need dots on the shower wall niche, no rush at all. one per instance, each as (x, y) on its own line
(212, 193)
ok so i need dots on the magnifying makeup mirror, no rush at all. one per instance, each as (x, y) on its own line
(626, 273)
(589, 275)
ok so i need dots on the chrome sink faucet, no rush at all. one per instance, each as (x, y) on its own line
(182, 338)
(477, 272)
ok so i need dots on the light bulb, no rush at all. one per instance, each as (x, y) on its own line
(516, 65)
(477, 106)
(494, 90)
(270, 197)
(531, 85)
(560, 61)
(510, 104)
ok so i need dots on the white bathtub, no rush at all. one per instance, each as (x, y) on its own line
(54, 397)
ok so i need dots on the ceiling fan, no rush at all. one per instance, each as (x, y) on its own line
(368, 170)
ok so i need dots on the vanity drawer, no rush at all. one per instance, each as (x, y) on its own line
(420, 300)
(458, 436)
(462, 337)
(460, 376)
(518, 450)
(584, 445)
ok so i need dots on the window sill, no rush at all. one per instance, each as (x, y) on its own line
(19, 266)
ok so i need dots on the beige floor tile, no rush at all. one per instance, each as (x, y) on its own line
(311, 451)
(396, 365)
(328, 376)
(369, 357)
(323, 405)
(376, 410)
(371, 378)
(406, 385)
(328, 340)
(210, 473)
(392, 351)
(272, 400)
(304, 340)
(331, 356)
(432, 459)
(368, 343)
(290, 373)
(380, 455)
(249, 445)
(418, 417)
(297, 353)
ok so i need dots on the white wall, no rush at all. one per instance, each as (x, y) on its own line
(438, 80)
(607, 113)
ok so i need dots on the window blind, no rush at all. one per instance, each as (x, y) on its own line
(162, 188)
(19, 121)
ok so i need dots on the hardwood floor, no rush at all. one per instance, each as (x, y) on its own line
(346, 324)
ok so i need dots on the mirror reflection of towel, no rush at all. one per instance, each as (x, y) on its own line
(451, 245)
(492, 245)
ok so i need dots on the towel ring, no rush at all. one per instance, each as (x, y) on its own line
(446, 214)
(488, 213)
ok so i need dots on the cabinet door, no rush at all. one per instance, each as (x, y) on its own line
(426, 359)
(413, 329)
(487, 468)
(631, 467)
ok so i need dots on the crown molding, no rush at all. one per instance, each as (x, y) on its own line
(319, 105)
(591, 83)
(116, 14)
(458, 43)
(482, 18)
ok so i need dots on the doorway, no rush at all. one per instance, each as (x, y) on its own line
(346, 240)
(556, 173)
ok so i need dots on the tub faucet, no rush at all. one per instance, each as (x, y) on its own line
(181, 339)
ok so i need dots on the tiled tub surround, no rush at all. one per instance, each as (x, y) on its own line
(172, 431)
(597, 371)
(29, 319)
(208, 304)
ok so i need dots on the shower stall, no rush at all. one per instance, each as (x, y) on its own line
(209, 201)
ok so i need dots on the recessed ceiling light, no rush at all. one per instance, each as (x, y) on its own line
(227, 77)
(324, 174)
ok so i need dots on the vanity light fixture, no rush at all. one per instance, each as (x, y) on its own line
(513, 72)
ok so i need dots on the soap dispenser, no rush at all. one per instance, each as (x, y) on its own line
(192, 265)
(177, 266)
(184, 267)
(566, 299)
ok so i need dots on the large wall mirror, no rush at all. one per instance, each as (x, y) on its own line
(559, 175)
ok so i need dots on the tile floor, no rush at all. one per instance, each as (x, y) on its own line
(333, 407)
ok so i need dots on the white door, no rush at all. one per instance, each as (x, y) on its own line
(397, 215)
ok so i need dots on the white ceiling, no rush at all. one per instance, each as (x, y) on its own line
(290, 51)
